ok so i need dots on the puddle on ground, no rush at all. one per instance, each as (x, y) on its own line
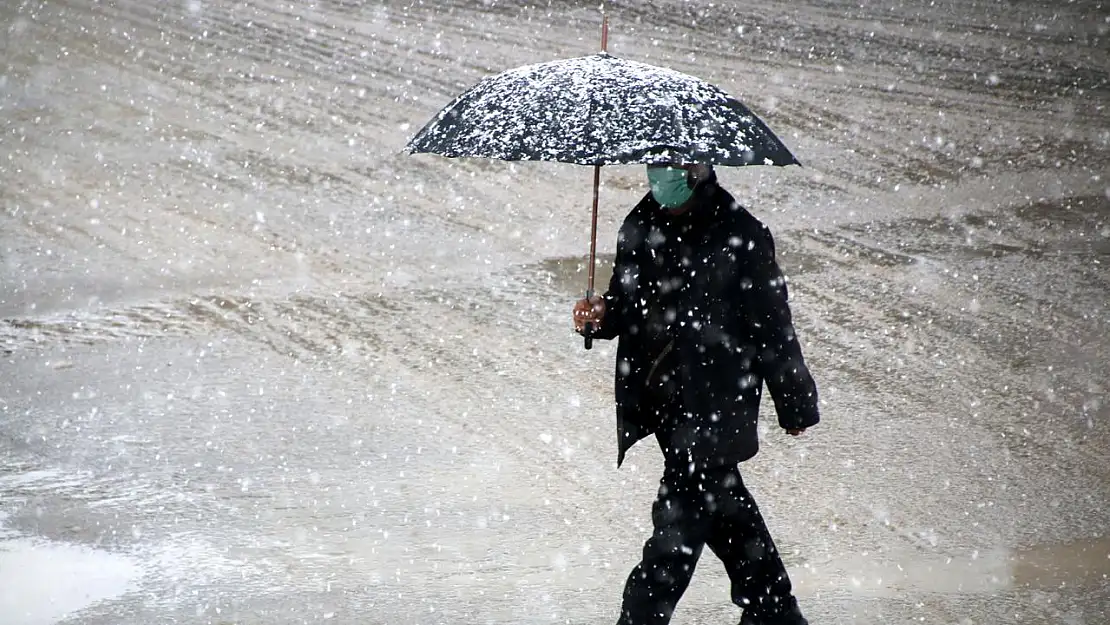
(569, 275)
(55, 580)
(1083, 563)
(1078, 564)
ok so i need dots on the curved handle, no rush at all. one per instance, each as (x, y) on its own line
(588, 331)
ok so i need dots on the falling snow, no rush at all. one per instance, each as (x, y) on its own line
(259, 363)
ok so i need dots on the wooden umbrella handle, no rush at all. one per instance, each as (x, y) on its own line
(593, 254)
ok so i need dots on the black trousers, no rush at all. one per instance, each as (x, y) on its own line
(698, 507)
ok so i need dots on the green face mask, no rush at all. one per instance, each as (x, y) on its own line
(668, 186)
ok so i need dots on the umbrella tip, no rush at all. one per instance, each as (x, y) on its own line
(604, 29)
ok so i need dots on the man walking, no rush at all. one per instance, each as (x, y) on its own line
(700, 309)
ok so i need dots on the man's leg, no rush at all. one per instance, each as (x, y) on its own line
(681, 525)
(740, 538)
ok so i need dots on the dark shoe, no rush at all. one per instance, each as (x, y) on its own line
(782, 619)
(792, 615)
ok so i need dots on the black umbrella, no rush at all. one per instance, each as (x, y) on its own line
(600, 110)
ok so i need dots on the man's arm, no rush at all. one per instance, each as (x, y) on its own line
(779, 358)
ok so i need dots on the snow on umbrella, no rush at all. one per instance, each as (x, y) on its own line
(600, 110)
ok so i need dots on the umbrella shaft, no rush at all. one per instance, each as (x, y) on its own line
(593, 230)
(604, 29)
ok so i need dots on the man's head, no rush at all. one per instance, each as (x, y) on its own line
(673, 184)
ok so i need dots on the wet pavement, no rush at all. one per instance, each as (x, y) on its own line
(258, 366)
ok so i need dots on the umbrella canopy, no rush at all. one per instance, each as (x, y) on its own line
(600, 110)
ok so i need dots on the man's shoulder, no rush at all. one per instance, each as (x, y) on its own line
(643, 208)
(641, 213)
(737, 218)
(634, 228)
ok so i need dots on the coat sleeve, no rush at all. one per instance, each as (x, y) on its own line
(622, 284)
(779, 358)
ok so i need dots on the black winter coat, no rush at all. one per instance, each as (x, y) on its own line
(714, 268)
